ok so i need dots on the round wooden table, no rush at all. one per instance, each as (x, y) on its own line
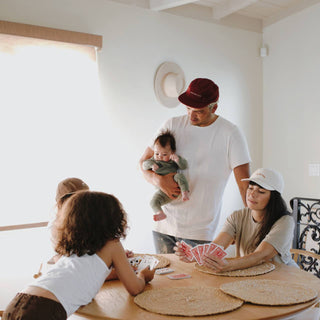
(114, 302)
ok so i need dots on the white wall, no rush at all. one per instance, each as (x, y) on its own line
(291, 107)
(135, 43)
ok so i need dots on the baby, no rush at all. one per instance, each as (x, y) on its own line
(165, 161)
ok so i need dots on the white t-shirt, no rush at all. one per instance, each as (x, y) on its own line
(212, 153)
(74, 280)
(241, 226)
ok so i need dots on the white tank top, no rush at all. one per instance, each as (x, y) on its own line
(74, 280)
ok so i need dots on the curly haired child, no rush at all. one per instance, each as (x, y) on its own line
(87, 236)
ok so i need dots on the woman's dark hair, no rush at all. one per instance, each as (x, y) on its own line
(89, 219)
(165, 138)
(276, 208)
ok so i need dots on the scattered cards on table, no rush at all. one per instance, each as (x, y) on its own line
(200, 250)
(141, 262)
(179, 276)
(164, 271)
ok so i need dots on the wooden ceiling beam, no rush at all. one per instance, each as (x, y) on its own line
(158, 5)
(231, 6)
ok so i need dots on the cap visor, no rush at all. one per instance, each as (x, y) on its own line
(185, 99)
(260, 183)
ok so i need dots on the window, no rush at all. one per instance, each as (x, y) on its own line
(51, 127)
(49, 121)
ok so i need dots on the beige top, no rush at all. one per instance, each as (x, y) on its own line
(241, 226)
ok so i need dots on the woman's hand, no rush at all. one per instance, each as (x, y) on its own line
(180, 253)
(216, 264)
(147, 274)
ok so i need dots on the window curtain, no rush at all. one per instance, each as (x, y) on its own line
(49, 120)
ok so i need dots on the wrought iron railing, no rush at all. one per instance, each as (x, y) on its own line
(306, 212)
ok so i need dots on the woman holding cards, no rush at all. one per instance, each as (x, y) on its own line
(261, 232)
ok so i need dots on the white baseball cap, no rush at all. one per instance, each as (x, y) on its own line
(268, 179)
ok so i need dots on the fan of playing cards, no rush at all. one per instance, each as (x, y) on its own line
(200, 250)
(141, 262)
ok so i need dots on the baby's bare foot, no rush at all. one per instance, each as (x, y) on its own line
(185, 195)
(159, 216)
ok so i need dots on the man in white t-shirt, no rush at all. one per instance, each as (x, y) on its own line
(213, 147)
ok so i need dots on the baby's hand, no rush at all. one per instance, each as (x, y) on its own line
(174, 157)
(155, 167)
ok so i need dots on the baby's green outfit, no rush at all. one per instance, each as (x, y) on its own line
(160, 198)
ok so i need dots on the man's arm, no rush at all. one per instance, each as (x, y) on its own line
(165, 183)
(148, 164)
(149, 175)
(242, 172)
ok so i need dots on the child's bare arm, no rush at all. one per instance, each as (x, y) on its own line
(132, 282)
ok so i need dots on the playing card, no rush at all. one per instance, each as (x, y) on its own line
(220, 253)
(195, 253)
(187, 250)
(201, 248)
(141, 262)
(212, 248)
(152, 261)
(206, 248)
(135, 261)
(185, 246)
(164, 271)
(179, 276)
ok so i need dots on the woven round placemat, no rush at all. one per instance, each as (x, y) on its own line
(269, 292)
(248, 272)
(187, 301)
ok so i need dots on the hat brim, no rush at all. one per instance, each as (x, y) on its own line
(164, 69)
(188, 101)
(260, 183)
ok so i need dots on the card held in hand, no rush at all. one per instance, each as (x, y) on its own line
(196, 254)
(201, 251)
(187, 250)
(141, 262)
(212, 248)
(219, 253)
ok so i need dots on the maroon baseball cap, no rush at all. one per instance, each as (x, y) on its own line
(200, 93)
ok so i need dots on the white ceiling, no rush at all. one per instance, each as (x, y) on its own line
(251, 15)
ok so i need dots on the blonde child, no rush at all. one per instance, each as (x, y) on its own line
(65, 189)
(68, 187)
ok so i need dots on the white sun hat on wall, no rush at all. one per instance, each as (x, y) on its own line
(169, 83)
